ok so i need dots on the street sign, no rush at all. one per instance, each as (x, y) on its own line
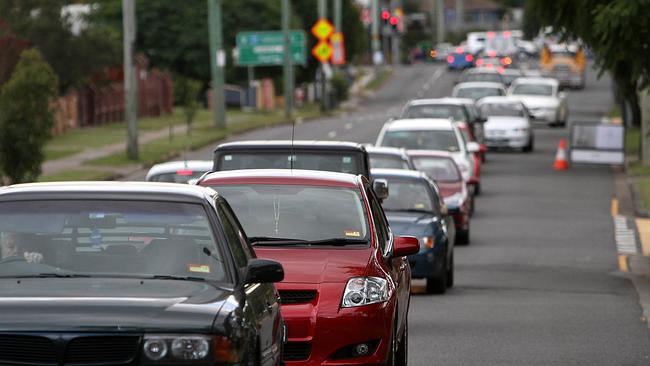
(322, 29)
(597, 143)
(322, 51)
(338, 48)
(267, 48)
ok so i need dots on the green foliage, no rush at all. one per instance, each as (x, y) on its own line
(25, 117)
(186, 94)
(74, 58)
(340, 86)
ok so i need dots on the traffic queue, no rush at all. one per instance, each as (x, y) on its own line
(277, 252)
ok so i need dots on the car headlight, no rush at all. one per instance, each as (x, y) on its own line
(180, 347)
(455, 199)
(361, 291)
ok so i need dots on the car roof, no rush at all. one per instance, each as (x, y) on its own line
(420, 124)
(479, 84)
(282, 176)
(513, 72)
(432, 101)
(398, 173)
(106, 190)
(535, 80)
(430, 153)
(499, 99)
(173, 166)
(385, 150)
(480, 70)
(284, 144)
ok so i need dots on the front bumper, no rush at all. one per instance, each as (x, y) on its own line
(324, 329)
(516, 142)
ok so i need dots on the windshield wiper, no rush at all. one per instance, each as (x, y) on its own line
(416, 210)
(338, 241)
(272, 241)
(178, 278)
(50, 275)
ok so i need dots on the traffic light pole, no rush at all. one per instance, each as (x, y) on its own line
(288, 67)
(130, 85)
(440, 12)
(324, 98)
(217, 63)
(375, 35)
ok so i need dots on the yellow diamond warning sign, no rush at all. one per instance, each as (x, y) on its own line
(322, 29)
(322, 51)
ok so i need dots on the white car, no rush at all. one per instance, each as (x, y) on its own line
(478, 90)
(543, 98)
(507, 125)
(430, 134)
(179, 171)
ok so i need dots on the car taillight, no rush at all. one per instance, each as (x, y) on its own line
(450, 59)
(469, 58)
(492, 53)
(184, 172)
(506, 61)
(459, 50)
(501, 70)
(433, 53)
(479, 62)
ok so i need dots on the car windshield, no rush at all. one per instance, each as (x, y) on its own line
(533, 89)
(502, 109)
(489, 77)
(383, 161)
(329, 161)
(298, 212)
(407, 196)
(436, 111)
(180, 176)
(476, 93)
(422, 140)
(439, 169)
(108, 238)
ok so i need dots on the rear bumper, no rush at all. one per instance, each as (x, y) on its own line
(428, 263)
(461, 219)
(324, 329)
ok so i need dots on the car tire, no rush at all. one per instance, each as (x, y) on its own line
(477, 189)
(462, 237)
(450, 272)
(437, 284)
(529, 148)
(402, 356)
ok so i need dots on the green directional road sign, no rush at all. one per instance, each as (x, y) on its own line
(266, 48)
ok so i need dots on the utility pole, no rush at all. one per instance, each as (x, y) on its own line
(217, 63)
(324, 98)
(460, 15)
(440, 10)
(376, 52)
(288, 67)
(130, 85)
(337, 16)
(394, 4)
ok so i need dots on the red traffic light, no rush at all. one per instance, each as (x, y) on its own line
(394, 20)
(385, 14)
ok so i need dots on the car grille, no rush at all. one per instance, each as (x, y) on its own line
(296, 351)
(52, 350)
(114, 350)
(18, 349)
(297, 296)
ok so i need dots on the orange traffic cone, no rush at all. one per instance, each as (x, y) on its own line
(560, 157)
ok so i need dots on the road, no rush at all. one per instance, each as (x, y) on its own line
(539, 284)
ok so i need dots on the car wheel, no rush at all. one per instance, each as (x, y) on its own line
(403, 348)
(529, 148)
(437, 284)
(450, 271)
(462, 237)
(477, 189)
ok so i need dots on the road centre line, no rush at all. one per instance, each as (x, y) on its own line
(331, 134)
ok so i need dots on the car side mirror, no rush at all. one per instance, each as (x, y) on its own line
(473, 147)
(380, 186)
(264, 271)
(405, 245)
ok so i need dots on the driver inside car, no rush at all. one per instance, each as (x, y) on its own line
(12, 247)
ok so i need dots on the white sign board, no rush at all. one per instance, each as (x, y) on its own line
(597, 143)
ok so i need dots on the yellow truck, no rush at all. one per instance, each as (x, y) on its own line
(566, 63)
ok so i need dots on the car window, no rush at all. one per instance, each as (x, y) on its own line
(422, 140)
(438, 168)
(408, 195)
(297, 212)
(478, 93)
(180, 176)
(110, 238)
(379, 161)
(333, 162)
(436, 111)
(379, 220)
(532, 89)
(502, 109)
(235, 238)
(489, 77)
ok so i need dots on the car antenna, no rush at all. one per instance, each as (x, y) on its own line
(293, 134)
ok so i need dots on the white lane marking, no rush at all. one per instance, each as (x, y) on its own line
(436, 75)
(331, 134)
(625, 236)
(348, 126)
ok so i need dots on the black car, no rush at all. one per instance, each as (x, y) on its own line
(334, 156)
(389, 158)
(416, 208)
(132, 274)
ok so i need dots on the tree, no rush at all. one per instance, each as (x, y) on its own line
(186, 94)
(75, 57)
(617, 31)
(25, 117)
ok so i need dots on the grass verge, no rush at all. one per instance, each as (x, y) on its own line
(381, 78)
(77, 175)
(643, 189)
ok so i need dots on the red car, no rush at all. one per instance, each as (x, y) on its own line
(346, 290)
(475, 180)
(440, 167)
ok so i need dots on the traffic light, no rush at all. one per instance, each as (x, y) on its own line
(394, 21)
(385, 16)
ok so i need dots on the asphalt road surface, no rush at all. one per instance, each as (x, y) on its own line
(539, 284)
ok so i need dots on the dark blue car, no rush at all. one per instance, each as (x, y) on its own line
(415, 207)
(460, 59)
